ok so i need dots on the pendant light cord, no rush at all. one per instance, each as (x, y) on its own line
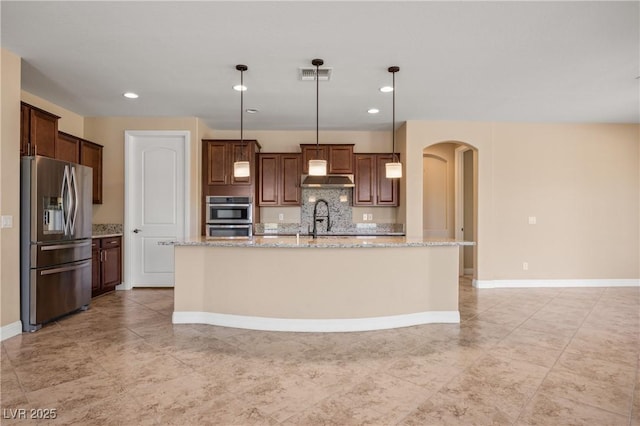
(317, 110)
(316, 63)
(242, 110)
(393, 124)
(393, 70)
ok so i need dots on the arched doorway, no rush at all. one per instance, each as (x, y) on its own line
(450, 194)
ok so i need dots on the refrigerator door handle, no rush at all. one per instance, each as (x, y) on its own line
(64, 269)
(73, 184)
(65, 199)
(65, 246)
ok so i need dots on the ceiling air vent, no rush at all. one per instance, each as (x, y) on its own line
(309, 74)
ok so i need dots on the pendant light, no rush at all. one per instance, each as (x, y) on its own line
(242, 168)
(317, 167)
(393, 169)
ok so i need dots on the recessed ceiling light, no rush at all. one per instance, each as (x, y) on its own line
(130, 95)
(386, 89)
(373, 110)
(251, 110)
(239, 87)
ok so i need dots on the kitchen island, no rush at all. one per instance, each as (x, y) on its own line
(324, 284)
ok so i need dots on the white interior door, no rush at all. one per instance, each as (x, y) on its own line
(156, 205)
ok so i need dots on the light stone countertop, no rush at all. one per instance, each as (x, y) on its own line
(106, 235)
(321, 242)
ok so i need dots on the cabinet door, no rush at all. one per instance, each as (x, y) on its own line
(365, 180)
(290, 174)
(44, 132)
(216, 156)
(240, 152)
(387, 189)
(95, 267)
(91, 155)
(309, 152)
(67, 148)
(268, 166)
(340, 159)
(111, 263)
(25, 119)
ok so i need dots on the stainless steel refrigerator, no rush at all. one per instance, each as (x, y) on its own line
(55, 233)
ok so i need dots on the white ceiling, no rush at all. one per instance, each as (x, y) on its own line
(485, 61)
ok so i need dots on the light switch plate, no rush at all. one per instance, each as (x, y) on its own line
(7, 221)
(532, 220)
(280, 216)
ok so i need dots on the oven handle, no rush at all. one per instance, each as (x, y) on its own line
(228, 205)
(228, 226)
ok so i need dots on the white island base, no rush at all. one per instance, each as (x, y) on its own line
(316, 286)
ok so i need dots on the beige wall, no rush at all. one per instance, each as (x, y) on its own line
(10, 188)
(579, 180)
(69, 122)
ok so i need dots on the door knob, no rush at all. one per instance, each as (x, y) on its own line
(137, 230)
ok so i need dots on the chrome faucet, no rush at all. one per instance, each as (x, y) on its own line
(317, 218)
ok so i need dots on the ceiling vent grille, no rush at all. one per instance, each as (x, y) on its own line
(309, 74)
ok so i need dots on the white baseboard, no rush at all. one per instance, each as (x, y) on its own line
(315, 325)
(10, 330)
(556, 283)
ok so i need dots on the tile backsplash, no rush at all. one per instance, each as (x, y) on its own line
(339, 200)
(341, 212)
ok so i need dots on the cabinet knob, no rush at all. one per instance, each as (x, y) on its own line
(137, 230)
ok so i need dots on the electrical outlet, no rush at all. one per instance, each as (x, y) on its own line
(281, 217)
(369, 216)
(525, 266)
(364, 216)
(532, 220)
(7, 221)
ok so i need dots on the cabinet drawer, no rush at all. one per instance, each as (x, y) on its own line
(110, 242)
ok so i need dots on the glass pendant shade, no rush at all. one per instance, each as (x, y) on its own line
(241, 169)
(317, 167)
(393, 170)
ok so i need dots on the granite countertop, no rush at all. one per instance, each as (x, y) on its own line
(105, 230)
(320, 242)
(106, 235)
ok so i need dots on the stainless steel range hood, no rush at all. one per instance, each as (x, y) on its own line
(329, 181)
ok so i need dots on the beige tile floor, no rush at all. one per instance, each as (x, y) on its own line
(519, 357)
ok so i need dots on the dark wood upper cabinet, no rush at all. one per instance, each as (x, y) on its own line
(310, 152)
(39, 131)
(268, 167)
(365, 180)
(290, 180)
(279, 179)
(91, 155)
(373, 188)
(218, 157)
(68, 148)
(339, 157)
(386, 189)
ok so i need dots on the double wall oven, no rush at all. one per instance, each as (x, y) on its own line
(229, 217)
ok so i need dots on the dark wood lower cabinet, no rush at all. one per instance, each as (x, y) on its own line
(107, 264)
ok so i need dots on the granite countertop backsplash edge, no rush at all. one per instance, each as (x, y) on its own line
(106, 230)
